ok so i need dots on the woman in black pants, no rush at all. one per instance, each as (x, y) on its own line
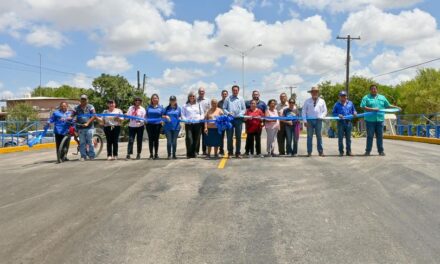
(194, 112)
(154, 112)
(112, 129)
(135, 127)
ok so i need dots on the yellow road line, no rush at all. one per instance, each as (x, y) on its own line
(414, 139)
(223, 161)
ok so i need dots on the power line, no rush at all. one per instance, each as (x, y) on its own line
(44, 68)
(406, 68)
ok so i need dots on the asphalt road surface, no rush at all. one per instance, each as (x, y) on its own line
(272, 210)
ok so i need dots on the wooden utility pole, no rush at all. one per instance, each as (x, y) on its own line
(347, 68)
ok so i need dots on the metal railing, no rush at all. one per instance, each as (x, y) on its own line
(421, 125)
(18, 133)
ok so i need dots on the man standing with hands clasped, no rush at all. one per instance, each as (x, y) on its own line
(375, 102)
(343, 108)
(314, 110)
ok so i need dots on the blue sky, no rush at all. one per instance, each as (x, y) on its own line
(179, 44)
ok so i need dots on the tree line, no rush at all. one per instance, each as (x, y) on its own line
(416, 96)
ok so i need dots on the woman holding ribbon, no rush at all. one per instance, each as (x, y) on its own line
(154, 112)
(135, 127)
(112, 128)
(213, 136)
(172, 128)
(254, 126)
(292, 127)
(193, 114)
(272, 126)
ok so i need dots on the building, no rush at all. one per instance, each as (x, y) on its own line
(44, 105)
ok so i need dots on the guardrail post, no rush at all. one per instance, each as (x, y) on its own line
(437, 131)
(410, 133)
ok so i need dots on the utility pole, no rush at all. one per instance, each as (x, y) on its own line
(347, 68)
(139, 80)
(40, 73)
(143, 83)
(243, 54)
(291, 91)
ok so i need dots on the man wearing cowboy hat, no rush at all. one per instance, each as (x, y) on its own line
(313, 111)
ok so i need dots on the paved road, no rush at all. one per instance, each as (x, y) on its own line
(272, 210)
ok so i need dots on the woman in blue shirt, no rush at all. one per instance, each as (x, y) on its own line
(61, 126)
(154, 111)
(172, 128)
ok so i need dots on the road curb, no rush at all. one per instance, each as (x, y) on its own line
(414, 139)
(26, 148)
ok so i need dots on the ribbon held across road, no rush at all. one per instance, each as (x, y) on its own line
(222, 122)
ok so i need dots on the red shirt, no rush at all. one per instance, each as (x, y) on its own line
(253, 125)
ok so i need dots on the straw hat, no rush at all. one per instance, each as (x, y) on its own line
(314, 89)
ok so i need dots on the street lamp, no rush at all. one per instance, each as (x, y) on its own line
(243, 54)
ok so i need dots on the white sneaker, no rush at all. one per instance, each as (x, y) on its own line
(250, 156)
(115, 158)
(82, 159)
(109, 158)
(261, 155)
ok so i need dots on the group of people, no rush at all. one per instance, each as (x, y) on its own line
(200, 132)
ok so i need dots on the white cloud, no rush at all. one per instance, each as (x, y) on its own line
(375, 25)
(6, 94)
(11, 24)
(351, 5)
(176, 77)
(52, 84)
(43, 36)
(6, 51)
(110, 64)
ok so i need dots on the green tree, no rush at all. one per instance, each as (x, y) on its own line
(113, 87)
(22, 112)
(64, 91)
(359, 87)
(421, 94)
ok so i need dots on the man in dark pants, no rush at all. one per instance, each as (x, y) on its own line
(220, 105)
(234, 106)
(343, 108)
(205, 105)
(374, 102)
(281, 135)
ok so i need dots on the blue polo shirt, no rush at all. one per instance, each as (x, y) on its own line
(174, 113)
(154, 112)
(59, 118)
(345, 110)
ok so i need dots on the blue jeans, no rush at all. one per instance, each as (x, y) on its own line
(237, 126)
(374, 128)
(314, 127)
(85, 139)
(291, 138)
(344, 130)
(172, 141)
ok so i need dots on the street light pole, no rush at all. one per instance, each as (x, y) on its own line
(243, 54)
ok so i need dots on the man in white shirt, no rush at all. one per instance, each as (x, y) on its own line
(205, 104)
(313, 111)
(281, 135)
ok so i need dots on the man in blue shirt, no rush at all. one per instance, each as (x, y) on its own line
(85, 127)
(234, 106)
(60, 118)
(374, 102)
(343, 108)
